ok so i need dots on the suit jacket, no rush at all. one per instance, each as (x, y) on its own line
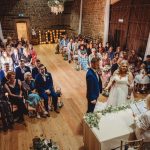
(35, 71)
(42, 85)
(94, 85)
(20, 74)
(16, 62)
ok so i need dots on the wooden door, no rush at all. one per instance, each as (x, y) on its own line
(22, 30)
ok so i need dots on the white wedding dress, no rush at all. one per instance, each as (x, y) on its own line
(119, 91)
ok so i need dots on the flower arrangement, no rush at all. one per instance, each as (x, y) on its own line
(93, 119)
(106, 68)
(43, 144)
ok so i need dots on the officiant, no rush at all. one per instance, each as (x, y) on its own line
(94, 84)
(143, 123)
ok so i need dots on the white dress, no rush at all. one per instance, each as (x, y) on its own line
(119, 91)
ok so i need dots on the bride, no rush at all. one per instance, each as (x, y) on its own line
(120, 86)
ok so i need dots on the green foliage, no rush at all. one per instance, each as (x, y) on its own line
(93, 119)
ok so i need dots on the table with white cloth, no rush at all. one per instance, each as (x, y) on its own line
(113, 128)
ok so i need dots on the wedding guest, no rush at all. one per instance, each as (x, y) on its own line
(133, 58)
(5, 70)
(2, 75)
(5, 58)
(107, 47)
(70, 49)
(63, 44)
(94, 84)
(45, 88)
(120, 86)
(20, 48)
(31, 94)
(32, 54)
(143, 123)
(9, 50)
(83, 58)
(142, 79)
(147, 64)
(93, 55)
(111, 53)
(115, 63)
(16, 56)
(21, 70)
(13, 87)
(35, 69)
(105, 60)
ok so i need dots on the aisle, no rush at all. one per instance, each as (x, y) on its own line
(64, 128)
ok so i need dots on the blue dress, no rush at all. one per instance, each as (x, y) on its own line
(32, 98)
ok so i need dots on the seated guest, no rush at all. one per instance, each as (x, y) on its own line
(63, 44)
(5, 58)
(83, 58)
(20, 48)
(31, 94)
(21, 70)
(44, 86)
(70, 48)
(2, 75)
(16, 56)
(147, 64)
(143, 123)
(13, 87)
(115, 64)
(93, 55)
(6, 70)
(111, 53)
(33, 54)
(141, 79)
(35, 70)
(133, 61)
(107, 47)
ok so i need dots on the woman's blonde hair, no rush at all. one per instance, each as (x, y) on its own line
(122, 63)
(26, 75)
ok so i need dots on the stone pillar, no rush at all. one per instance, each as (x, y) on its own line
(106, 21)
(1, 33)
(147, 52)
(80, 19)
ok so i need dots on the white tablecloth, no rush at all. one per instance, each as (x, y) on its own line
(112, 128)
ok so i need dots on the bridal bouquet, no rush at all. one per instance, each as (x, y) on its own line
(43, 144)
(106, 68)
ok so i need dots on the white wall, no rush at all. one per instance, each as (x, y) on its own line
(1, 32)
(147, 52)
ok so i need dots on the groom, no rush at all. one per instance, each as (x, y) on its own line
(94, 84)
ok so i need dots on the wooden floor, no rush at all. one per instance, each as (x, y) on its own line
(64, 128)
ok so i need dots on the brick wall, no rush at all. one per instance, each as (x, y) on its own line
(40, 18)
(36, 11)
(93, 17)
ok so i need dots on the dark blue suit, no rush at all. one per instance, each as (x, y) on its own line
(42, 85)
(94, 88)
(19, 74)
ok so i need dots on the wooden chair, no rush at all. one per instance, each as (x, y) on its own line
(133, 145)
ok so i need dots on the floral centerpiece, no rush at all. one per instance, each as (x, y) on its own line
(92, 119)
(41, 143)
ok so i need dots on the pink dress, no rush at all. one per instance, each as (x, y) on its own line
(33, 56)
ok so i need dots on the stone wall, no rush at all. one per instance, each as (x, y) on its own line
(39, 16)
(93, 17)
(36, 11)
